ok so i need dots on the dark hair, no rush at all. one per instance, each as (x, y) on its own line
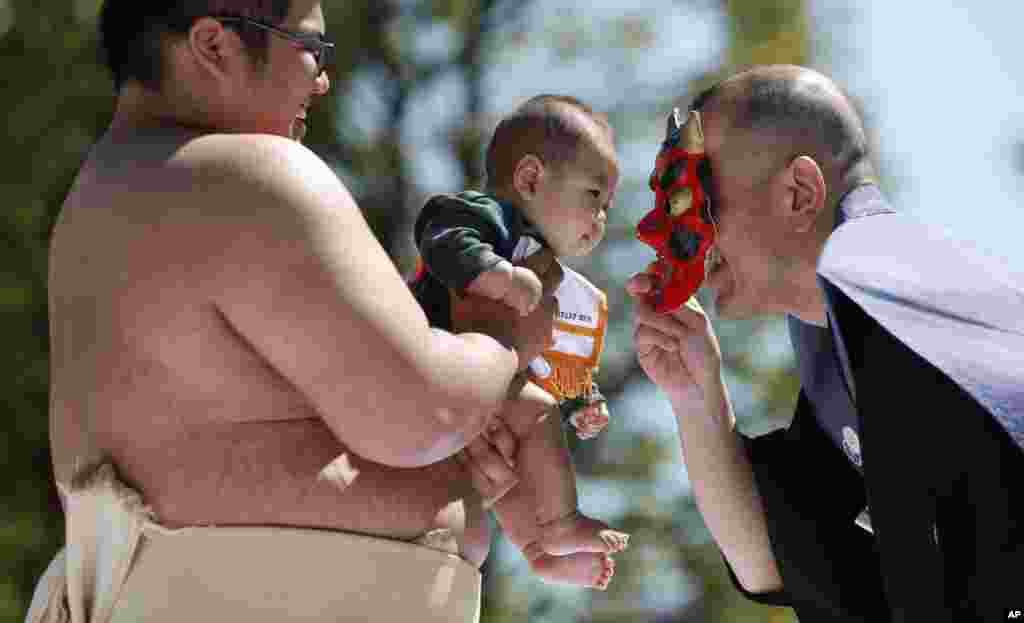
(541, 127)
(133, 32)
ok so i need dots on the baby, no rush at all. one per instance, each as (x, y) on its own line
(552, 173)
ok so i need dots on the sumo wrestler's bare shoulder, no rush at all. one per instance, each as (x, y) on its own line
(301, 278)
(258, 171)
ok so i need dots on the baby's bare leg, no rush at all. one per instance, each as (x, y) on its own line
(540, 515)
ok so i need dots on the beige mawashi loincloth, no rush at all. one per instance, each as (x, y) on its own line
(119, 566)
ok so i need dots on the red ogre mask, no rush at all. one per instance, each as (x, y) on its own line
(679, 227)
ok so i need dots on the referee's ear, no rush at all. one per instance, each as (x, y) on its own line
(807, 191)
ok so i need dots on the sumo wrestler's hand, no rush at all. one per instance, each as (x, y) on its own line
(491, 458)
(491, 473)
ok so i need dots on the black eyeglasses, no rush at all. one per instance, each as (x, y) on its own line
(314, 43)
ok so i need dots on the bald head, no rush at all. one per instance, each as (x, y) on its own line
(779, 112)
(551, 127)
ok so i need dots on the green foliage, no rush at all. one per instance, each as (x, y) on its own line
(56, 101)
(768, 31)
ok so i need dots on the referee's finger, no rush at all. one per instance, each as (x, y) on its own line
(646, 339)
(640, 284)
(645, 316)
(691, 314)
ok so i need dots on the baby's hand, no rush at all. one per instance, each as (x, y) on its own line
(525, 290)
(590, 420)
(516, 286)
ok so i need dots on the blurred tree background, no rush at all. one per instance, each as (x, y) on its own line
(418, 87)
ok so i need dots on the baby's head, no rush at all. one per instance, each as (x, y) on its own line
(554, 159)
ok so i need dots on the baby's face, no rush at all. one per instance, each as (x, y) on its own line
(571, 208)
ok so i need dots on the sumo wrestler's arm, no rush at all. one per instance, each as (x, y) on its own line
(309, 287)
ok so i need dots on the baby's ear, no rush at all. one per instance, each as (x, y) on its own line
(527, 175)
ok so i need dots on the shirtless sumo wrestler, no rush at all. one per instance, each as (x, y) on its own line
(224, 325)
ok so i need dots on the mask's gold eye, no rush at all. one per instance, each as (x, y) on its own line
(680, 201)
(693, 134)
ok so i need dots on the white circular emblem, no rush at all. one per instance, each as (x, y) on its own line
(541, 367)
(851, 444)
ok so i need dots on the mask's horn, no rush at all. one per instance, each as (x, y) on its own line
(673, 128)
(693, 133)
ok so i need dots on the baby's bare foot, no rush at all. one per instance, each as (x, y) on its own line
(578, 533)
(587, 569)
(607, 572)
(617, 541)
